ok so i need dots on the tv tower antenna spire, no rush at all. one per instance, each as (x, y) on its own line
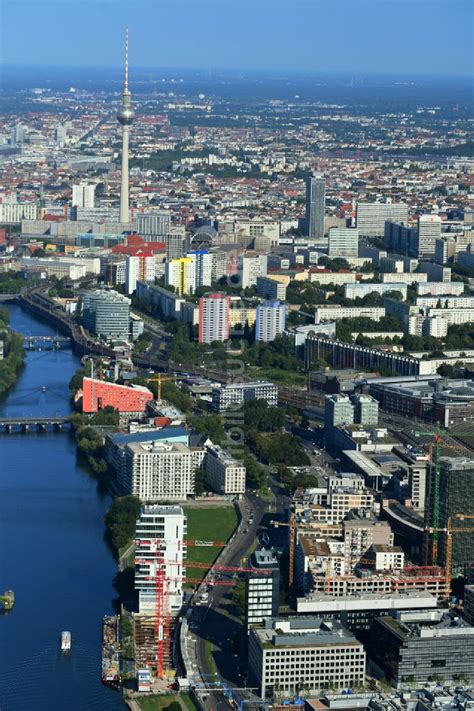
(125, 118)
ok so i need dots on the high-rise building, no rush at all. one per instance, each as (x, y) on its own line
(429, 230)
(455, 498)
(338, 410)
(139, 267)
(125, 118)
(262, 590)
(270, 320)
(160, 533)
(366, 410)
(153, 224)
(202, 267)
(251, 267)
(214, 317)
(180, 273)
(18, 134)
(159, 471)
(83, 195)
(315, 205)
(372, 216)
(343, 242)
(106, 313)
(176, 242)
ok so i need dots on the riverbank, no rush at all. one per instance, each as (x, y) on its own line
(11, 345)
(55, 556)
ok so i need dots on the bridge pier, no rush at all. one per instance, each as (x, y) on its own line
(25, 427)
(42, 427)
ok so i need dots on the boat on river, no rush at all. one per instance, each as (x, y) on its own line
(65, 641)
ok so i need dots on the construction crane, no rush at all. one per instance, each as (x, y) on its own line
(449, 530)
(158, 379)
(162, 580)
(291, 524)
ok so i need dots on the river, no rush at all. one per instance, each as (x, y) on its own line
(52, 549)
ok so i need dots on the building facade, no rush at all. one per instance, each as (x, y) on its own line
(294, 654)
(315, 205)
(223, 474)
(214, 318)
(160, 551)
(270, 320)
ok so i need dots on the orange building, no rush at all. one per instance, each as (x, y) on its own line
(98, 394)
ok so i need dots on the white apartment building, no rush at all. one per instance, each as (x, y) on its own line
(405, 278)
(343, 242)
(336, 312)
(139, 268)
(11, 212)
(387, 557)
(445, 302)
(203, 265)
(440, 288)
(292, 653)
(429, 230)
(321, 276)
(353, 291)
(214, 318)
(372, 216)
(252, 267)
(160, 551)
(223, 473)
(360, 534)
(60, 268)
(234, 395)
(83, 195)
(159, 471)
(270, 320)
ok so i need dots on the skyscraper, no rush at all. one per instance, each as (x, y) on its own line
(125, 118)
(315, 203)
(429, 230)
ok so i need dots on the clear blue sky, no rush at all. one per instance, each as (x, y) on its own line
(402, 36)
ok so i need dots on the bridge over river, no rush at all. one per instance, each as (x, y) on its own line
(33, 424)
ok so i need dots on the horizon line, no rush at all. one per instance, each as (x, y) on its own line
(349, 72)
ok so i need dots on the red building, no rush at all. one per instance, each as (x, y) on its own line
(97, 394)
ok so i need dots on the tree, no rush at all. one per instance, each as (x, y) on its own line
(121, 518)
(174, 706)
(210, 425)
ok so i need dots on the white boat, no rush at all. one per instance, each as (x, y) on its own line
(65, 641)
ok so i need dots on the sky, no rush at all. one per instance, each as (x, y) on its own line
(396, 36)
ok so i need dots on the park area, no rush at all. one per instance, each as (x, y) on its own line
(207, 523)
(165, 702)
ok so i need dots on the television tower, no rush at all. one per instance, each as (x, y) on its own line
(125, 118)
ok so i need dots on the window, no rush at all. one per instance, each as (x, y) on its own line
(438, 663)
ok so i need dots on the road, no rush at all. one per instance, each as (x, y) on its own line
(213, 622)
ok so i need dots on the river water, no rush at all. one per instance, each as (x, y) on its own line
(52, 550)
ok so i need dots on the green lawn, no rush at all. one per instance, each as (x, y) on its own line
(159, 702)
(207, 524)
(278, 375)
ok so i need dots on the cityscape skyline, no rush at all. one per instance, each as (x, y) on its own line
(326, 37)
